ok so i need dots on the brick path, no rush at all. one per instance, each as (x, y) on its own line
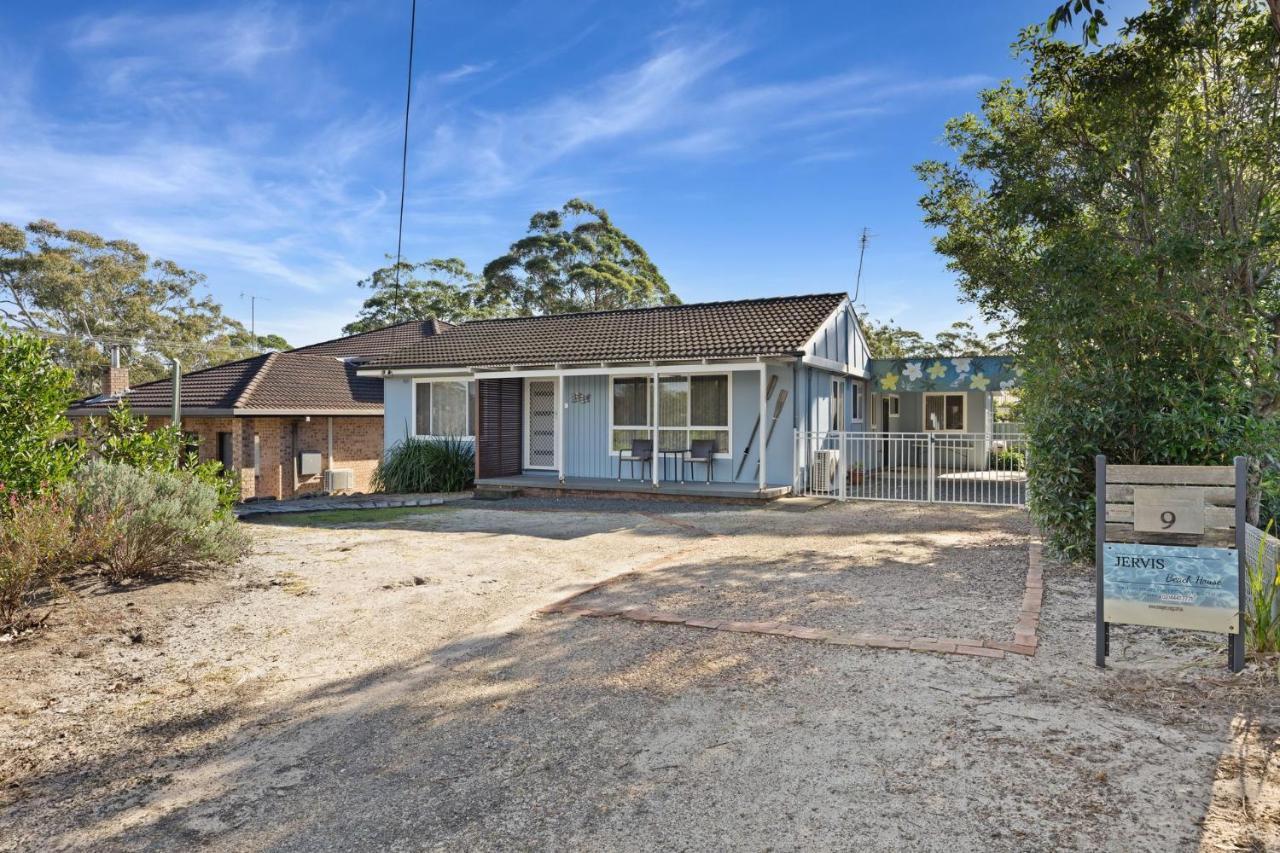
(248, 510)
(1024, 640)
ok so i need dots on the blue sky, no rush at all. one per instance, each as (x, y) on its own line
(744, 145)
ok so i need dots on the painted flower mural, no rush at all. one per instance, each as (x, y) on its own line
(977, 373)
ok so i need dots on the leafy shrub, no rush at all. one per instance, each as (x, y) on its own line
(1262, 623)
(1009, 459)
(1269, 509)
(39, 541)
(123, 438)
(34, 394)
(154, 523)
(426, 465)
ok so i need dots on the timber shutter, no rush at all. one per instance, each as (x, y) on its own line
(498, 432)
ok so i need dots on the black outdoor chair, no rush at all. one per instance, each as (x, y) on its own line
(642, 452)
(700, 450)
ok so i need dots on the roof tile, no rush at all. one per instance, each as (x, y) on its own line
(744, 328)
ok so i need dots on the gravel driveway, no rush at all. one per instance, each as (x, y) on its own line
(386, 686)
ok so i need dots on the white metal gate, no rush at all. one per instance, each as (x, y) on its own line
(934, 467)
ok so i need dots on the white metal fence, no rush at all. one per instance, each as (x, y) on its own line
(961, 468)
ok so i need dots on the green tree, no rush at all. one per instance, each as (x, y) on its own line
(34, 394)
(889, 340)
(74, 285)
(573, 259)
(1120, 209)
(441, 289)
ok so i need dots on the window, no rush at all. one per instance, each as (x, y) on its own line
(944, 412)
(224, 449)
(894, 406)
(837, 405)
(445, 408)
(690, 408)
(856, 408)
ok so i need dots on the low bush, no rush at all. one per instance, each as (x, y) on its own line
(1009, 459)
(39, 541)
(426, 465)
(124, 438)
(154, 523)
(1261, 619)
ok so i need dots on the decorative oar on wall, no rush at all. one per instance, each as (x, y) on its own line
(777, 412)
(755, 430)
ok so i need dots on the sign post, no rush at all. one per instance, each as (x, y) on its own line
(1170, 550)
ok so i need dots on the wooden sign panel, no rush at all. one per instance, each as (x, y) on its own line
(1168, 509)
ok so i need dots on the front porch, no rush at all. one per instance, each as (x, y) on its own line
(549, 484)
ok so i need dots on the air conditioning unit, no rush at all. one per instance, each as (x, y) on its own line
(826, 470)
(339, 480)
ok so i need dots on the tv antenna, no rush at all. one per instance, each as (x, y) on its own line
(253, 316)
(862, 251)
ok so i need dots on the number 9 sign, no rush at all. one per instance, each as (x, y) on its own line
(1168, 509)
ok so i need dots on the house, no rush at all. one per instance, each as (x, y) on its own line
(559, 400)
(282, 420)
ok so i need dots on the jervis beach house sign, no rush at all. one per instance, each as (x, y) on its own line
(1170, 550)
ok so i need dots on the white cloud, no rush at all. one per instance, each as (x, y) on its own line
(683, 101)
(214, 40)
(462, 72)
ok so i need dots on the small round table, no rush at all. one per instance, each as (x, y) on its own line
(678, 457)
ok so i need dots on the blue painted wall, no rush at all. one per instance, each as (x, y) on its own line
(840, 340)
(587, 427)
(397, 405)
(587, 430)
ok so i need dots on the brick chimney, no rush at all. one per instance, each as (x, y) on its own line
(115, 380)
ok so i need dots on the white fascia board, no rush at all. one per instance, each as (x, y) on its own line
(835, 366)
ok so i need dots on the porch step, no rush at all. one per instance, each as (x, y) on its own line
(495, 491)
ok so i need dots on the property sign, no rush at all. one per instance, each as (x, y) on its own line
(1168, 509)
(1163, 550)
(1171, 586)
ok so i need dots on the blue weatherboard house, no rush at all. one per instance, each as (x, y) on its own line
(703, 399)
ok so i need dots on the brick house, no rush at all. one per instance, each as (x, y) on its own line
(282, 420)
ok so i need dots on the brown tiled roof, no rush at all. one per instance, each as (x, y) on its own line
(746, 328)
(278, 381)
(380, 341)
(294, 380)
(307, 379)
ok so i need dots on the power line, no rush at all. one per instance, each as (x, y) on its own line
(404, 154)
(142, 343)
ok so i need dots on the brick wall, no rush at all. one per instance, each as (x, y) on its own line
(357, 444)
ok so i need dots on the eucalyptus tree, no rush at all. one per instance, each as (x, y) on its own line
(440, 288)
(574, 259)
(78, 290)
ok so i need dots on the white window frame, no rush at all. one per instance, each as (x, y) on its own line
(648, 377)
(471, 415)
(895, 406)
(838, 421)
(858, 412)
(964, 410)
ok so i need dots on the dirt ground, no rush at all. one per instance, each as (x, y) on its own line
(387, 685)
